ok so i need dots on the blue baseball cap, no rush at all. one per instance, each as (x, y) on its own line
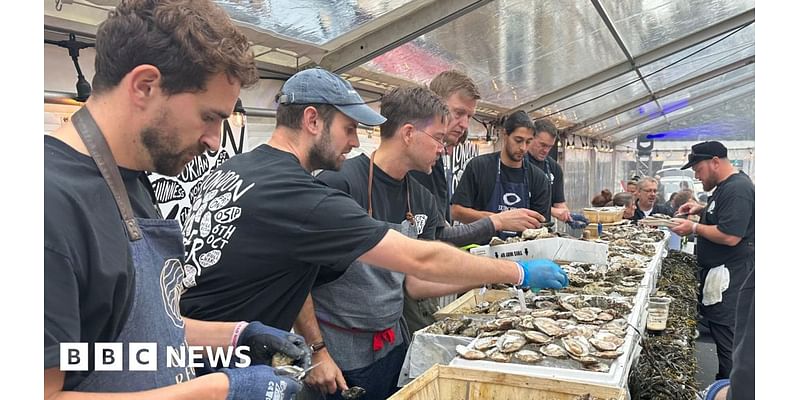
(319, 86)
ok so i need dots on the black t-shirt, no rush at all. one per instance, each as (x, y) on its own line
(436, 183)
(258, 232)
(479, 177)
(88, 271)
(389, 201)
(555, 176)
(732, 209)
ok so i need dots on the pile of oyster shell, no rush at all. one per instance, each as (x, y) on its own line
(589, 330)
(527, 234)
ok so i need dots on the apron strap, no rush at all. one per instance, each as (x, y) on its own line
(101, 154)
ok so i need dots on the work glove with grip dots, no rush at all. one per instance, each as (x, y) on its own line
(265, 341)
(259, 382)
(577, 220)
(543, 274)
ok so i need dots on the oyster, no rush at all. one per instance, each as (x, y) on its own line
(511, 342)
(496, 241)
(526, 323)
(585, 314)
(482, 307)
(606, 354)
(605, 316)
(605, 340)
(536, 337)
(453, 326)
(548, 326)
(576, 346)
(506, 313)
(280, 360)
(587, 360)
(527, 356)
(546, 313)
(564, 315)
(470, 354)
(354, 393)
(530, 234)
(596, 367)
(470, 331)
(553, 350)
(585, 331)
(496, 355)
(485, 343)
(542, 304)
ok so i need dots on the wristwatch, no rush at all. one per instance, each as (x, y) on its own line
(315, 347)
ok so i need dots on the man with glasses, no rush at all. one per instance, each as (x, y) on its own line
(262, 225)
(646, 205)
(726, 236)
(368, 343)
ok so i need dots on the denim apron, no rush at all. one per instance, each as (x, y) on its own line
(156, 249)
(509, 195)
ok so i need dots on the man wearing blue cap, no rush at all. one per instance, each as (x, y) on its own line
(726, 236)
(262, 225)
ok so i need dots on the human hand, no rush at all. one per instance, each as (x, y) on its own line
(689, 208)
(577, 221)
(543, 274)
(561, 214)
(683, 227)
(327, 377)
(516, 220)
(258, 382)
(265, 341)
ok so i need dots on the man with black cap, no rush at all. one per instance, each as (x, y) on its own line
(726, 236)
(262, 225)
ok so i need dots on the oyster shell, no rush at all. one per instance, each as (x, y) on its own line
(542, 304)
(605, 340)
(537, 337)
(470, 354)
(511, 342)
(553, 350)
(496, 241)
(485, 343)
(354, 393)
(576, 346)
(470, 331)
(585, 314)
(596, 367)
(546, 313)
(548, 326)
(496, 355)
(526, 323)
(611, 354)
(527, 356)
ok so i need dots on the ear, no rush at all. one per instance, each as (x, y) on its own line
(312, 122)
(143, 84)
(406, 132)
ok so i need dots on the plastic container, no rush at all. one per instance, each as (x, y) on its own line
(658, 313)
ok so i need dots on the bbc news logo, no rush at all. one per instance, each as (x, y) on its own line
(144, 356)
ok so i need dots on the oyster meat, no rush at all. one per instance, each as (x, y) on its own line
(548, 326)
(576, 346)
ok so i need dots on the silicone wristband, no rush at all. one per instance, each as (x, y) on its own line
(237, 330)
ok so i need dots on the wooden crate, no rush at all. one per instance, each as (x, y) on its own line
(469, 300)
(453, 383)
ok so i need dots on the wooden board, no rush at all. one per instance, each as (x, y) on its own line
(453, 383)
(468, 301)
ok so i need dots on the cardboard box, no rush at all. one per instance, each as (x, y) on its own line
(557, 249)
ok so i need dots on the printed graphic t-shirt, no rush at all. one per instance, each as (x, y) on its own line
(257, 234)
(88, 271)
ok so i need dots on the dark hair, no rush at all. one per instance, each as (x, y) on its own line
(681, 197)
(518, 119)
(601, 199)
(291, 115)
(187, 40)
(416, 105)
(449, 82)
(544, 125)
(623, 199)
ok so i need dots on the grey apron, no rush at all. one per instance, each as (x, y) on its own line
(359, 313)
(156, 248)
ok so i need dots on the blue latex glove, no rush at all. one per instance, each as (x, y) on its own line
(543, 274)
(259, 382)
(712, 390)
(577, 221)
(265, 341)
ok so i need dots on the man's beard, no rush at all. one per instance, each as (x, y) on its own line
(322, 154)
(163, 149)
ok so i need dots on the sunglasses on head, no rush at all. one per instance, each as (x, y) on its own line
(693, 157)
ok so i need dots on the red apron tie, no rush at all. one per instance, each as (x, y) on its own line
(386, 335)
